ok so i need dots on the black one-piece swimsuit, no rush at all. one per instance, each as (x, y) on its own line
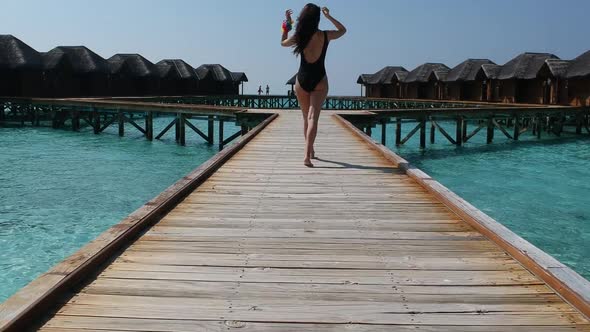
(311, 74)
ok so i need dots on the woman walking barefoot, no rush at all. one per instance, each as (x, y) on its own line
(311, 85)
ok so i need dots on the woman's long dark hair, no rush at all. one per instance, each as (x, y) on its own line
(308, 23)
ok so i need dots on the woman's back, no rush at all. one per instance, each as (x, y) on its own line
(313, 50)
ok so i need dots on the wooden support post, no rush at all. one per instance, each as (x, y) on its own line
(121, 120)
(369, 130)
(423, 133)
(432, 131)
(490, 136)
(182, 129)
(516, 128)
(398, 131)
(177, 128)
(244, 129)
(539, 126)
(210, 129)
(459, 131)
(75, 120)
(383, 131)
(2, 114)
(579, 120)
(220, 133)
(96, 118)
(149, 126)
(464, 130)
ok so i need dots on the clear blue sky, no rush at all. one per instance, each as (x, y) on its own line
(244, 35)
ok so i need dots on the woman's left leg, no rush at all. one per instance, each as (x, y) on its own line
(317, 99)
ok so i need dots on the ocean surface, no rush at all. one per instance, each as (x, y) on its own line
(540, 189)
(60, 189)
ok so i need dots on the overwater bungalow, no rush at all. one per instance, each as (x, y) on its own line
(239, 78)
(425, 82)
(519, 80)
(75, 71)
(20, 68)
(214, 79)
(132, 75)
(189, 81)
(553, 74)
(578, 80)
(386, 83)
(169, 80)
(469, 81)
(292, 82)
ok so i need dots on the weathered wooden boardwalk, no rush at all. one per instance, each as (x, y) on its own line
(353, 244)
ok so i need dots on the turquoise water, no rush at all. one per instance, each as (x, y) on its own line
(540, 189)
(60, 189)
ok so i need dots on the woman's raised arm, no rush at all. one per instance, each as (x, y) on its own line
(341, 29)
(287, 41)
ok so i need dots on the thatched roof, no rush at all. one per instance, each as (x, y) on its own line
(387, 75)
(214, 71)
(185, 70)
(491, 70)
(292, 80)
(580, 66)
(167, 71)
(82, 60)
(525, 66)
(424, 72)
(134, 64)
(239, 77)
(14, 54)
(467, 70)
(558, 68)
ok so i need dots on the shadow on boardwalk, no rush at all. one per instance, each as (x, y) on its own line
(343, 165)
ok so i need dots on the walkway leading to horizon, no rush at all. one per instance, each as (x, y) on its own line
(266, 244)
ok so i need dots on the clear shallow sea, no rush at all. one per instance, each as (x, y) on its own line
(60, 189)
(540, 189)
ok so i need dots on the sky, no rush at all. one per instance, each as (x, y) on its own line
(244, 35)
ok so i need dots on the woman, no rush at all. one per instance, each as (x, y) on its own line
(311, 85)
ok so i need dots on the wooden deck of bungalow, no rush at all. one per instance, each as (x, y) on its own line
(361, 242)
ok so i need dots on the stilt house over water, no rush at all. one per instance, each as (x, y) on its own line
(215, 79)
(386, 83)
(292, 82)
(189, 80)
(132, 75)
(553, 75)
(426, 82)
(578, 80)
(75, 71)
(519, 80)
(169, 79)
(238, 78)
(20, 68)
(469, 81)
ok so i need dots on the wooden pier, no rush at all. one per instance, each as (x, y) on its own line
(254, 241)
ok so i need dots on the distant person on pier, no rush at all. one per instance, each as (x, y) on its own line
(311, 86)
(267, 90)
(260, 90)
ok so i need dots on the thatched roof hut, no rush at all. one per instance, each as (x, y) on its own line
(72, 71)
(20, 68)
(132, 75)
(239, 78)
(519, 79)
(578, 76)
(468, 81)
(169, 80)
(384, 83)
(189, 80)
(425, 81)
(215, 79)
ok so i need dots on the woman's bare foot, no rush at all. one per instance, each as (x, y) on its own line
(307, 163)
